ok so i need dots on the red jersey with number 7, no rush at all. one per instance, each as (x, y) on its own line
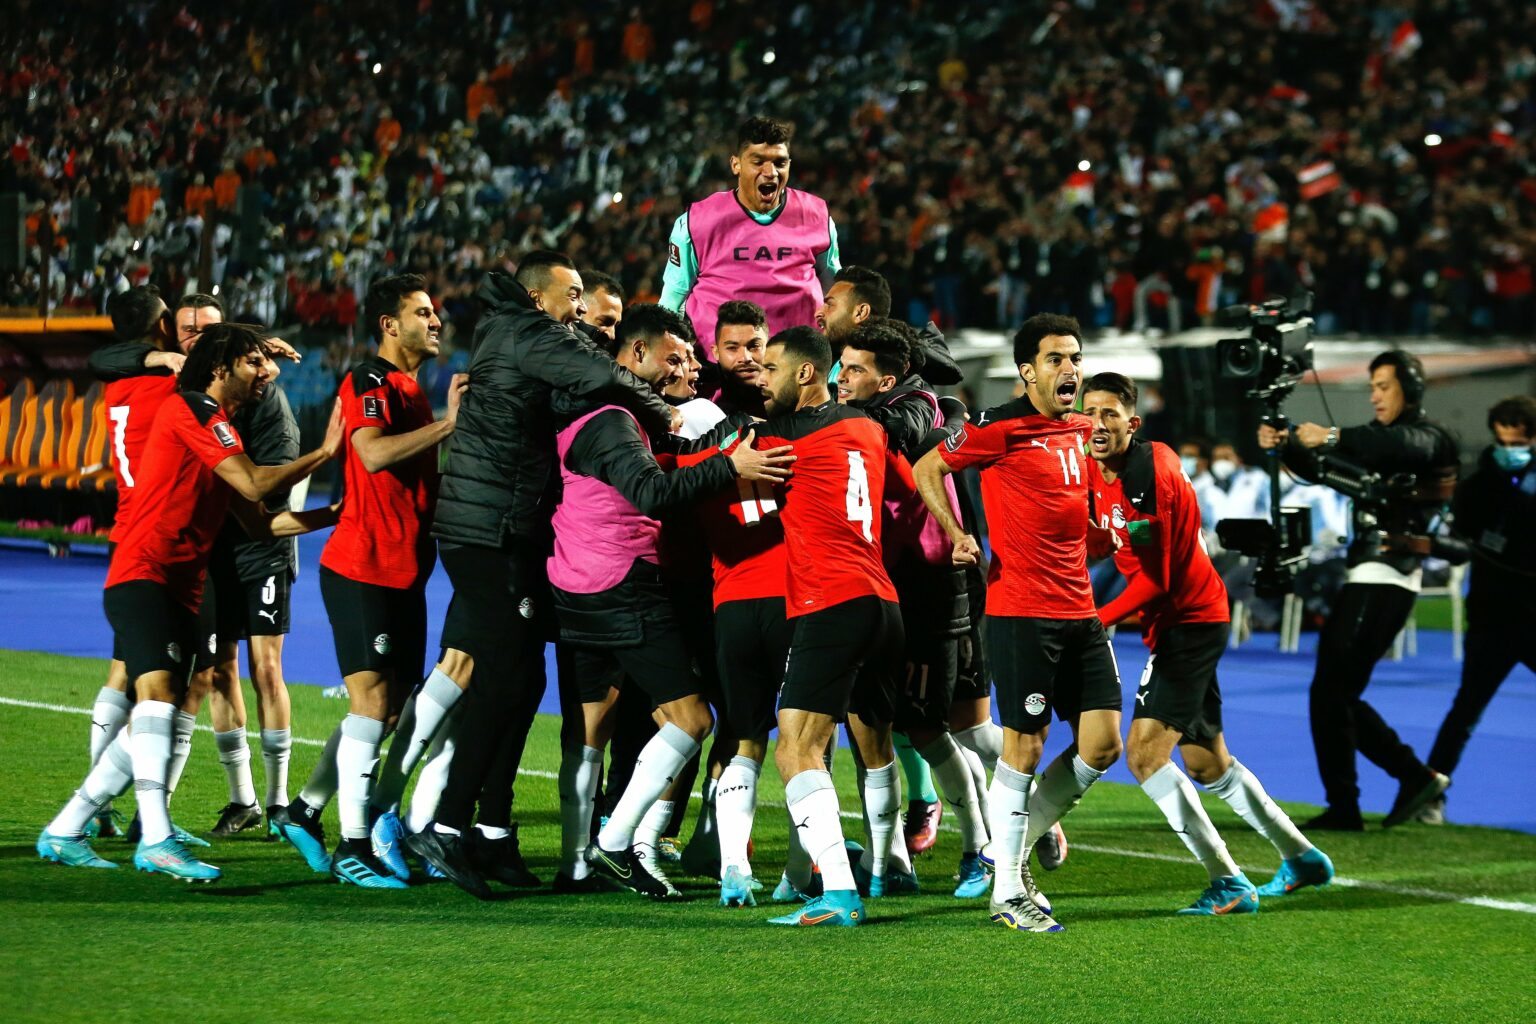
(1034, 488)
(181, 502)
(831, 506)
(131, 407)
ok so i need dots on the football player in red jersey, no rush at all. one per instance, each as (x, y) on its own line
(1045, 643)
(1141, 493)
(373, 577)
(192, 468)
(847, 639)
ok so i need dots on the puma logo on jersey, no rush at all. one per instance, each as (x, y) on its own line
(271, 616)
(1042, 444)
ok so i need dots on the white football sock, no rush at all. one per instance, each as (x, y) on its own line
(1061, 788)
(357, 761)
(813, 811)
(797, 865)
(579, 769)
(958, 787)
(153, 725)
(181, 748)
(1243, 792)
(432, 779)
(649, 831)
(235, 756)
(658, 764)
(110, 776)
(984, 740)
(276, 748)
(493, 831)
(420, 720)
(978, 771)
(706, 826)
(900, 858)
(317, 792)
(1175, 796)
(108, 716)
(880, 806)
(1009, 801)
(735, 807)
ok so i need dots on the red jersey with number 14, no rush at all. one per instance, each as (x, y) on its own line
(1034, 488)
(180, 502)
(1169, 575)
(382, 536)
(831, 508)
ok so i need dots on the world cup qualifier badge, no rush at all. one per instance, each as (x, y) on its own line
(225, 435)
(373, 407)
(674, 254)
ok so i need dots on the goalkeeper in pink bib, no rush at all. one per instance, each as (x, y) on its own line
(761, 241)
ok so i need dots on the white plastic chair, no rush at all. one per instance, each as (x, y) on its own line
(1454, 589)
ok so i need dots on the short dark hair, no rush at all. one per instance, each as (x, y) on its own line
(768, 131)
(869, 286)
(1118, 384)
(533, 270)
(806, 344)
(649, 321)
(1026, 343)
(1202, 445)
(885, 341)
(134, 312)
(740, 312)
(219, 345)
(198, 300)
(385, 296)
(1518, 411)
(592, 280)
(1408, 371)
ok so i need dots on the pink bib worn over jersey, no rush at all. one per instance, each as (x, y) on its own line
(910, 525)
(773, 265)
(598, 533)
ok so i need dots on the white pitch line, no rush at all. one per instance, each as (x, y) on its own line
(1348, 883)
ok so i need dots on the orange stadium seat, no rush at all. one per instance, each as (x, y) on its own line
(75, 449)
(95, 470)
(40, 451)
(20, 417)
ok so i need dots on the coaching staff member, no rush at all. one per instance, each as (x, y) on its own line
(493, 520)
(1383, 580)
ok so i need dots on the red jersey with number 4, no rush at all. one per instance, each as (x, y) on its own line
(179, 502)
(1169, 575)
(382, 536)
(1034, 488)
(831, 507)
(744, 533)
(131, 407)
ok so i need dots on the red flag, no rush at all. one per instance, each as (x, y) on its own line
(1318, 179)
(1405, 41)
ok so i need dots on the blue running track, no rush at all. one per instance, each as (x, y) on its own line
(54, 605)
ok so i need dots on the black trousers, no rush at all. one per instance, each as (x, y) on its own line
(1500, 635)
(500, 616)
(1365, 620)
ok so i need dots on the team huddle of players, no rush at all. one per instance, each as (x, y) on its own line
(794, 554)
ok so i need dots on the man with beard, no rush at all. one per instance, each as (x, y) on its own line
(1046, 645)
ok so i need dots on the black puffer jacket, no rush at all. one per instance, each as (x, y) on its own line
(500, 480)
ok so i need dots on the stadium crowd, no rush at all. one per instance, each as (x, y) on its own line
(991, 161)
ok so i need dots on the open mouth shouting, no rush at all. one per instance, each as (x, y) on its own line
(768, 192)
(1066, 390)
(1098, 443)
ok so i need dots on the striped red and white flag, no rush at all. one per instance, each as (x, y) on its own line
(1318, 179)
(1405, 41)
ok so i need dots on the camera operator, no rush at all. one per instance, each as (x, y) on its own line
(1383, 580)
(1494, 510)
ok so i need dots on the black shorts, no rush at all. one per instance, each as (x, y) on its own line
(658, 662)
(151, 630)
(500, 597)
(1178, 686)
(847, 658)
(204, 647)
(752, 639)
(971, 680)
(246, 608)
(928, 687)
(1040, 664)
(376, 629)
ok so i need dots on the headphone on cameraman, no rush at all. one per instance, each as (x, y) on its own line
(1410, 373)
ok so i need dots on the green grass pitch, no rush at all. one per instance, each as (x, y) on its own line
(1432, 925)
